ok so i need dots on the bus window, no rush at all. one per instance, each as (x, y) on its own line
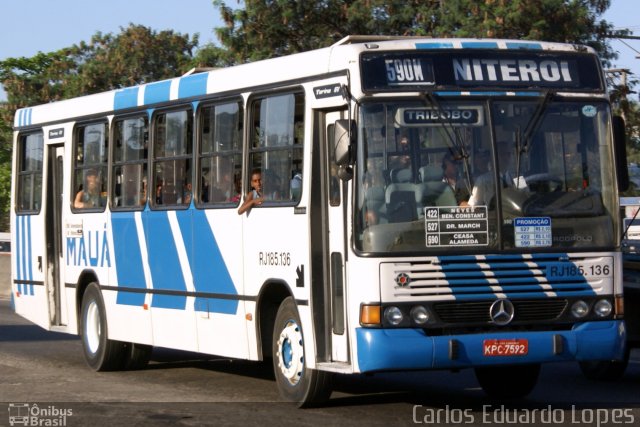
(276, 146)
(172, 158)
(90, 172)
(29, 189)
(221, 154)
(130, 153)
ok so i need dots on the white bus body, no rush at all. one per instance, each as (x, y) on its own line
(182, 270)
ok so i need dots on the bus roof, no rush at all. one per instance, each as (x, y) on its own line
(260, 73)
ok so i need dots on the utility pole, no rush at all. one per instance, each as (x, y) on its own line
(621, 73)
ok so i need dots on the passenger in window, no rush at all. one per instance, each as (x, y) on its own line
(237, 188)
(187, 194)
(254, 197)
(132, 198)
(484, 188)
(89, 195)
(451, 174)
(296, 186)
(159, 191)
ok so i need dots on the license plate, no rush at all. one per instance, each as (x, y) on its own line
(510, 347)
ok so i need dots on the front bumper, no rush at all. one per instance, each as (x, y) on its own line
(405, 349)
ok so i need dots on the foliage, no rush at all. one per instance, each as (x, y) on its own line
(136, 55)
(259, 29)
(267, 28)
(5, 166)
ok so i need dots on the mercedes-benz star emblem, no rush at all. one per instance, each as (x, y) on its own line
(502, 312)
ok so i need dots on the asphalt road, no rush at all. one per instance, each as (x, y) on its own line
(44, 374)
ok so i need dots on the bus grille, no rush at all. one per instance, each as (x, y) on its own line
(454, 312)
(474, 278)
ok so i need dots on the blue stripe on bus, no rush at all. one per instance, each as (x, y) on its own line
(18, 252)
(511, 275)
(166, 272)
(441, 45)
(193, 85)
(24, 117)
(23, 252)
(128, 257)
(126, 98)
(210, 273)
(524, 45)
(157, 92)
(479, 45)
(29, 256)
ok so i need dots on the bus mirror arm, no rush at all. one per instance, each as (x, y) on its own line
(620, 152)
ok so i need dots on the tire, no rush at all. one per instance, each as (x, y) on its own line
(508, 382)
(136, 356)
(296, 382)
(606, 370)
(101, 353)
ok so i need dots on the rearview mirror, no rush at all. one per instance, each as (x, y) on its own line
(344, 142)
(620, 151)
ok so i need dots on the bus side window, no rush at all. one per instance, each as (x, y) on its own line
(29, 184)
(90, 171)
(172, 149)
(130, 155)
(277, 146)
(221, 154)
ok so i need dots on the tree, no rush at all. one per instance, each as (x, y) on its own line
(268, 28)
(136, 55)
(5, 166)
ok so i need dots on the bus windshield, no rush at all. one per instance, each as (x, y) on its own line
(484, 176)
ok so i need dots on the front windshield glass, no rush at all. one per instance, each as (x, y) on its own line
(482, 176)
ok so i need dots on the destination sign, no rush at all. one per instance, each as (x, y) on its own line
(456, 226)
(398, 70)
(464, 69)
(463, 116)
(545, 72)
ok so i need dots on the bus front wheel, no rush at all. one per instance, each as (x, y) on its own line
(296, 382)
(508, 382)
(101, 353)
(605, 370)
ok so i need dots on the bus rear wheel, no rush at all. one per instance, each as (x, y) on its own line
(101, 353)
(136, 356)
(508, 382)
(296, 382)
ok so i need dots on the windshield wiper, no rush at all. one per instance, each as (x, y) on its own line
(452, 135)
(535, 121)
(523, 139)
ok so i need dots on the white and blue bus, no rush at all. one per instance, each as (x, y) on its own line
(426, 204)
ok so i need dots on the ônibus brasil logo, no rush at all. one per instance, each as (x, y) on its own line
(25, 414)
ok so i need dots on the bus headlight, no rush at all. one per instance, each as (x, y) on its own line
(579, 309)
(419, 314)
(393, 315)
(603, 308)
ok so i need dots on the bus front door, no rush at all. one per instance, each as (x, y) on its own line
(328, 246)
(54, 281)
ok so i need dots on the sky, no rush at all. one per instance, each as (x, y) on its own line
(32, 26)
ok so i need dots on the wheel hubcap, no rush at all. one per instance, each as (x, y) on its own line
(92, 327)
(290, 352)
